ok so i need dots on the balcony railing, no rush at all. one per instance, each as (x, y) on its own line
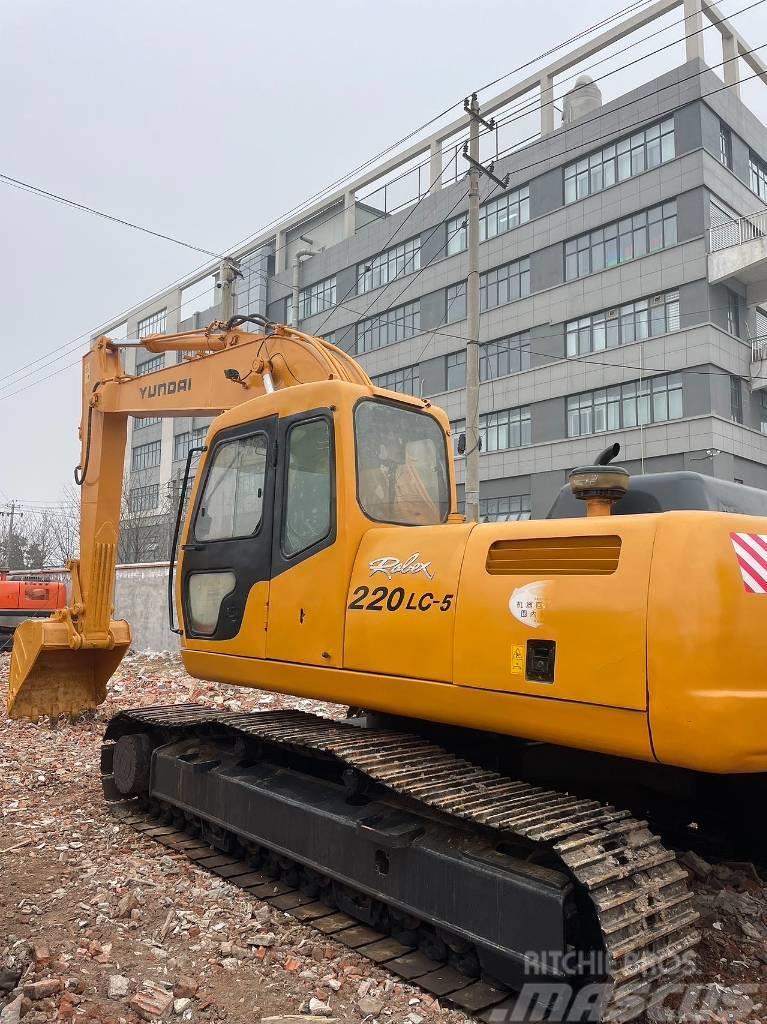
(759, 348)
(736, 232)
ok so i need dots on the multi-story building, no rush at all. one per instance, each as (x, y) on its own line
(622, 272)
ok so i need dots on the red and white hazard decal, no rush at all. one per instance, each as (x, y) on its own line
(751, 552)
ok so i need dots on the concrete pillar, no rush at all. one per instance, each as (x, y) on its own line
(693, 28)
(281, 252)
(547, 104)
(350, 215)
(731, 64)
(435, 165)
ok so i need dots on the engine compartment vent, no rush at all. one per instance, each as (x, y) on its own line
(554, 556)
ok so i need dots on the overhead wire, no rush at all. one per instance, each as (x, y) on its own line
(606, 136)
(517, 170)
(318, 195)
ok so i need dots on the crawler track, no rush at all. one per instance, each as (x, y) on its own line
(638, 892)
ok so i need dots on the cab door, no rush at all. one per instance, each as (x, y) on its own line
(307, 595)
(227, 557)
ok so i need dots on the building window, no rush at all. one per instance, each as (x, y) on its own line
(457, 427)
(628, 239)
(455, 299)
(508, 428)
(330, 338)
(144, 499)
(184, 354)
(456, 370)
(150, 365)
(733, 313)
(504, 356)
(153, 324)
(758, 170)
(457, 239)
(183, 443)
(625, 159)
(145, 421)
(250, 284)
(725, 145)
(399, 260)
(763, 412)
(511, 509)
(406, 380)
(495, 218)
(389, 327)
(655, 400)
(504, 214)
(633, 321)
(736, 400)
(504, 284)
(146, 456)
(316, 298)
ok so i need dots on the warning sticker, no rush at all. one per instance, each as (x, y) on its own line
(527, 604)
(751, 553)
(517, 660)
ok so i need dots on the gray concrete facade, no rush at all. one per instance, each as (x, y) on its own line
(719, 428)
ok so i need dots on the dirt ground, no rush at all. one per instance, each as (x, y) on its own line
(99, 924)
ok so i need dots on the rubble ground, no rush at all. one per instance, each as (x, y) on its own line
(99, 924)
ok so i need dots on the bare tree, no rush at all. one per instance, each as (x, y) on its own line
(146, 521)
(40, 533)
(65, 527)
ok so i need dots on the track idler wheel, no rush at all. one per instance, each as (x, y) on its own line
(132, 764)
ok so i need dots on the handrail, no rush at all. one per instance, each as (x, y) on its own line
(736, 232)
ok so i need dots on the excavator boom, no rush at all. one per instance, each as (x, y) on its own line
(61, 665)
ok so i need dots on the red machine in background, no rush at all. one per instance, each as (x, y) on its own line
(26, 596)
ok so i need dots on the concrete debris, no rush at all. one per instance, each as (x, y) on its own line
(118, 987)
(699, 867)
(370, 1006)
(11, 1013)
(103, 926)
(318, 1008)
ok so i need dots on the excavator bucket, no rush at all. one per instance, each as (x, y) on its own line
(48, 677)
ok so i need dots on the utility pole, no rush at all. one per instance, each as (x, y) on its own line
(228, 273)
(9, 540)
(471, 154)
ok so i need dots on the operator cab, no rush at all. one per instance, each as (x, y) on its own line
(295, 487)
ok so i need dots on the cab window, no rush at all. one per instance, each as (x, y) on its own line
(402, 474)
(232, 500)
(308, 491)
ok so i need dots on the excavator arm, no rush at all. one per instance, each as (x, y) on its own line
(61, 665)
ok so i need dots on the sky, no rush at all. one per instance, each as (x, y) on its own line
(205, 121)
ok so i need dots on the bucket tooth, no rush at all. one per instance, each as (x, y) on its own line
(49, 677)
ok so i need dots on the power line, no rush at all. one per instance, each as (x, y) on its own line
(76, 343)
(525, 107)
(528, 166)
(594, 141)
(83, 207)
(332, 185)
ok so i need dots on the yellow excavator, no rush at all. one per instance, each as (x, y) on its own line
(322, 555)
